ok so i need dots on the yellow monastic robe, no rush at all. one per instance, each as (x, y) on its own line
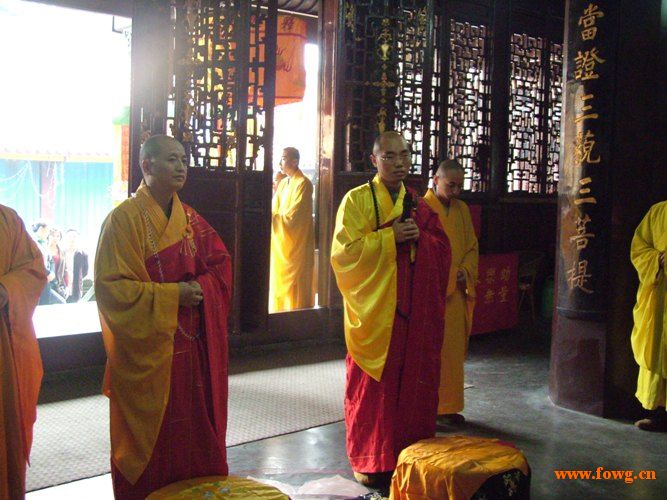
(139, 320)
(650, 313)
(292, 245)
(23, 276)
(364, 262)
(460, 304)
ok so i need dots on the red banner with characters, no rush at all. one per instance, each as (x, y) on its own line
(497, 290)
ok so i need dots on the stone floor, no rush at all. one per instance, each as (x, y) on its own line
(508, 400)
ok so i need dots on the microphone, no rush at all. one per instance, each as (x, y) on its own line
(408, 206)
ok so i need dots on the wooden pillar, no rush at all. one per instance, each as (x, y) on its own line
(330, 149)
(610, 160)
(151, 35)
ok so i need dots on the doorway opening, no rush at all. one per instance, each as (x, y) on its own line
(65, 153)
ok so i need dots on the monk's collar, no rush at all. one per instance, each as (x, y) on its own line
(444, 201)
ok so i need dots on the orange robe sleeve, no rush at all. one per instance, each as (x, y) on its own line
(139, 319)
(23, 276)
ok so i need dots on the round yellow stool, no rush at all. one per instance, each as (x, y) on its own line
(211, 487)
(460, 467)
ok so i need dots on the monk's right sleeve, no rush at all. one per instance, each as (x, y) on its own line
(643, 253)
(133, 307)
(358, 252)
(139, 319)
(364, 262)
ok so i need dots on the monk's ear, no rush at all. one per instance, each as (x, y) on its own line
(373, 160)
(146, 167)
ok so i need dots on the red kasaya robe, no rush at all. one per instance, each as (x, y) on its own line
(384, 416)
(164, 430)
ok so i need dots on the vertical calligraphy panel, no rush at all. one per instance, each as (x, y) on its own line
(584, 184)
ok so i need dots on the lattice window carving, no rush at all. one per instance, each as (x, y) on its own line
(469, 102)
(526, 112)
(217, 101)
(412, 65)
(386, 49)
(554, 114)
(255, 111)
(436, 97)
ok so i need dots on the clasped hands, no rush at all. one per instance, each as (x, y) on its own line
(189, 294)
(405, 231)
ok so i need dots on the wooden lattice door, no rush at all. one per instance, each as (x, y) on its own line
(199, 71)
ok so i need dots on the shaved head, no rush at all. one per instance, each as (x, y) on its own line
(447, 166)
(391, 156)
(163, 164)
(154, 145)
(293, 153)
(448, 180)
(386, 136)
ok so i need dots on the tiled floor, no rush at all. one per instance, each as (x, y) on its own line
(508, 399)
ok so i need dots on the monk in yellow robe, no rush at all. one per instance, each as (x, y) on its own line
(455, 218)
(22, 279)
(163, 289)
(649, 343)
(292, 242)
(391, 261)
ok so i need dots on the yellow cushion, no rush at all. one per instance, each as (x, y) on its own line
(453, 467)
(211, 487)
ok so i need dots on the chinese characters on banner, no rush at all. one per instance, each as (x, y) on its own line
(584, 179)
(497, 286)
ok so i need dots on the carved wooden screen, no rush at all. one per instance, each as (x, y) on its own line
(388, 51)
(222, 110)
(534, 114)
(554, 112)
(468, 130)
(219, 93)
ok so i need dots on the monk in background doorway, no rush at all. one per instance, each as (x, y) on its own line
(292, 239)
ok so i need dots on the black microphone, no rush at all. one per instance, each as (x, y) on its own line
(408, 206)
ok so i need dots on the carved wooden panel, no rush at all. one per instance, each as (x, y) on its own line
(213, 195)
(469, 101)
(554, 115)
(219, 93)
(387, 76)
(534, 115)
(526, 112)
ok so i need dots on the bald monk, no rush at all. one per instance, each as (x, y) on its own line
(22, 279)
(649, 342)
(391, 264)
(163, 288)
(455, 219)
(292, 241)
